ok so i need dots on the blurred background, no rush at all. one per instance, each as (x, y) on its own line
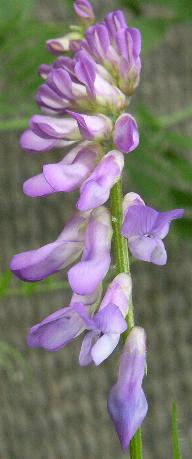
(50, 407)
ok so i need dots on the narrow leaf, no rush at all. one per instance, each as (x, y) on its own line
(175, 434)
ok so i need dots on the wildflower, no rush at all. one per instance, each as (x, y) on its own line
(85, 276)
(145, 228)
(64, 325)
(84, 9)
(127, 404)
(35, 265)
(107, 325)
(96, 189)
(66, 175)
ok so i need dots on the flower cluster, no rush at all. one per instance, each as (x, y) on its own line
(83, 100)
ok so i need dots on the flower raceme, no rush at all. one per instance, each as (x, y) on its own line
(83, 102)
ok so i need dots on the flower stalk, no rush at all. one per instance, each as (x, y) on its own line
(121, 258)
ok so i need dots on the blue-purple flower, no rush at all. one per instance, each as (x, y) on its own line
(127, 404)
(145, 228)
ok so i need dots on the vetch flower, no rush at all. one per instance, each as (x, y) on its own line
(66, 175)
(64, 325)
(107, 325)
(47, 132)
(85, 276)
(96, 189)
(70, 42)
(145, 228)
(126, 135)
(35, 265)
(84, 9)
(127, 404)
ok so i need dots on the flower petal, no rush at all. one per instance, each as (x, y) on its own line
(104, 347)
(32, 143)
(37, 186)
(127, 403)
(126, 135)
(110, 320)
(96, 190)
(35, 265)
(85, 357)
(69, 176)
(85, 276)
(119, 293)
(92, 127)
(84, 9)
(57, 330)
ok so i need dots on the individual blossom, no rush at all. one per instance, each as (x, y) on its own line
(35, 265)
(127, 404)
(126, 134)
(85, 276)
(47, 132)
(96, 189)
(69, 42)
(64, 325)
(68, 174)
(84, 10)
(107, 325)
(145, 228)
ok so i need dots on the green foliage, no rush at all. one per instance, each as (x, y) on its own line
(175, 434)
(13, 363)
(176, 8)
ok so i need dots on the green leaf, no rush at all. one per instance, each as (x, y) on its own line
(175, 434)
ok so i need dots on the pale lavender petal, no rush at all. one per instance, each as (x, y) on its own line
(96, 190)
(104, 347)
(119, 293)
(68, 177)
(85, 276)
(98, 40)
(32, 143)
(85, 72)
(44, 70)
(110, 320)
(57, 128)
(37, 186)
(85, 357)
(163, 220)
(84, 9)
(126, 135)
(57, 330)
(115, 21)
(131, 199)
(142, 247)
(48, 98)
(35, 265)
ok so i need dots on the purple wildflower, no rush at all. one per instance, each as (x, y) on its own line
(84, 9)
(145, 228)
(127, 403)
(64, 325)
(108, 324)
(67, 175)
(96, 189)
(35, 265)
(85, 276)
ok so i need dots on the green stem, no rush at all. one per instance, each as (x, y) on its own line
(123, 266)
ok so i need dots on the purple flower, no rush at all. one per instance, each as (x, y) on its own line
(145, 228)
(127, 404)
(108, 324)
(36, 265)
(84, 9)
(85, 276)
(115, 21)
(47, 132)
(69, 42)
(96, 189)
(67, 175)
(64, 325)
(126, 135)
